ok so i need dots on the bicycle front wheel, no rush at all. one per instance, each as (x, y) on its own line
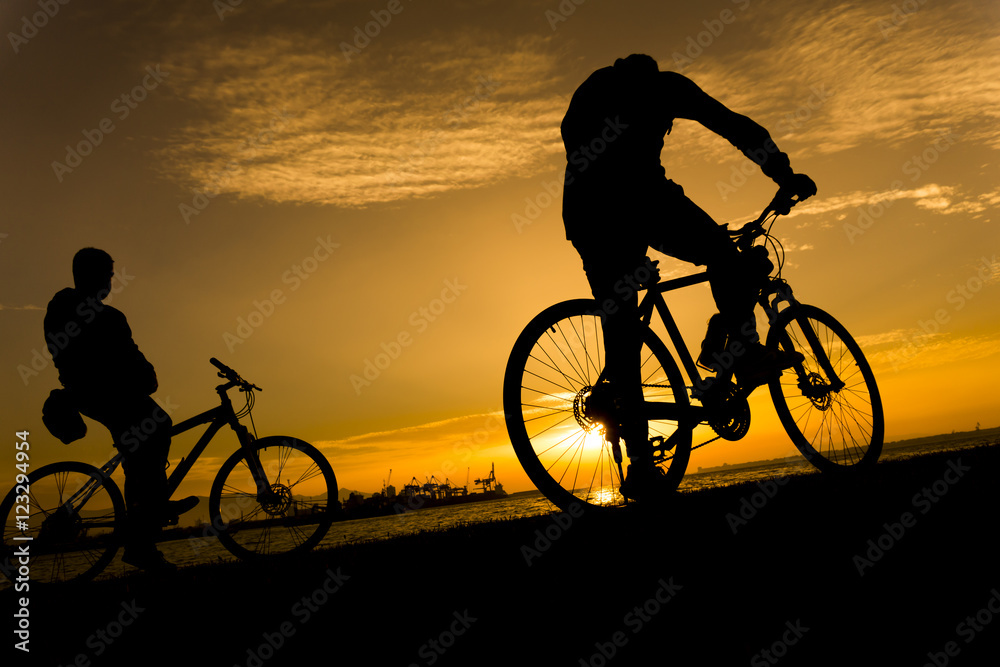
(829, 405)
(548, 404)
(75, 520)
(290, 516)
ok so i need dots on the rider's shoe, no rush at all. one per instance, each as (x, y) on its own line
(175, 508)
(758, 364)
(642, 481)
(714, 343)
(149, 559)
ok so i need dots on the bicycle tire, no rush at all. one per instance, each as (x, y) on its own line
(552, 366)
(253, 530)
(851, 424)
(71, 544)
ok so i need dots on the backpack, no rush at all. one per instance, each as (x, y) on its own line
(61, 416)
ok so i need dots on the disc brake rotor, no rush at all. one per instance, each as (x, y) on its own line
(817, 390)
(278, 501)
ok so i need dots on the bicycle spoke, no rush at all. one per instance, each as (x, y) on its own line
(580, 437)
(560, 422)
(309, 473)
(573, 434)
(573, 365)
(565, 388)
(233, 492)
(542, 407)
(299, 533)
(585, 365)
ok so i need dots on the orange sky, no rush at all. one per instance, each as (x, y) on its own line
(297, 208)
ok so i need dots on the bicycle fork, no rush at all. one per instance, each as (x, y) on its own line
(256, 468)
(782, 291)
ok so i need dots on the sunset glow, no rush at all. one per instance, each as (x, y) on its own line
(361, 219)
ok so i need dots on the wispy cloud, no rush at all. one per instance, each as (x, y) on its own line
(933, 197)
(908, 349)
(27, 307)
(421, 117)
(831, 78)
(455, 107)
(447, 439)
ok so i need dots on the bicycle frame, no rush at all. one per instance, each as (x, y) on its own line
(654, 299)
(216, 418)
(776, 292)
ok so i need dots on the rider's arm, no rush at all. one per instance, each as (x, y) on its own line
(690, 101)
(121, 356)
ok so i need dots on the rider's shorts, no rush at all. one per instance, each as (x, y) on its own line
(612, 234)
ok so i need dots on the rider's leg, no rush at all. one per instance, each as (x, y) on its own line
(736, 280)
(141, 432)
(693, 236)
(611, 267)
(145, 472)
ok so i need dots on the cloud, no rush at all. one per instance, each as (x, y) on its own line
(27, 307)
(907, 349)
(288, 118)
(418, 113)
(457, 435)
(853, 74)
(933, 197)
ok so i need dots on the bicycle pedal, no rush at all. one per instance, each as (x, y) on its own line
(658, 443)
(661, 447)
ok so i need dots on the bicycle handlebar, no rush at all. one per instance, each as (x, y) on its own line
(228, 373)
(781, 204)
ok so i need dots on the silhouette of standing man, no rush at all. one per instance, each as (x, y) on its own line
(617, 202)
(111, 382)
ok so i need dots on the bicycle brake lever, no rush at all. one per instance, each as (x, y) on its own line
(782, 203)
(745, 240)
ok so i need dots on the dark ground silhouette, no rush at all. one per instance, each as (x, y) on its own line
(677, 587)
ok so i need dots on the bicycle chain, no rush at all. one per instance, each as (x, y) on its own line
(667, 386)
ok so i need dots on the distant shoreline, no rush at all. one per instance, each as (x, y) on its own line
(986, 434)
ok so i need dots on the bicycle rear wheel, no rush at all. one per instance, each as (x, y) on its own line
(830, 404)
(291, 517)
(548, 399)
(76, 519)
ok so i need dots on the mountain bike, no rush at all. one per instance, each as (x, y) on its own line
(562, 416)
(274, 496)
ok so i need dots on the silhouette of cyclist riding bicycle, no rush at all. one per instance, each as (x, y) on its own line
(585, 375)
